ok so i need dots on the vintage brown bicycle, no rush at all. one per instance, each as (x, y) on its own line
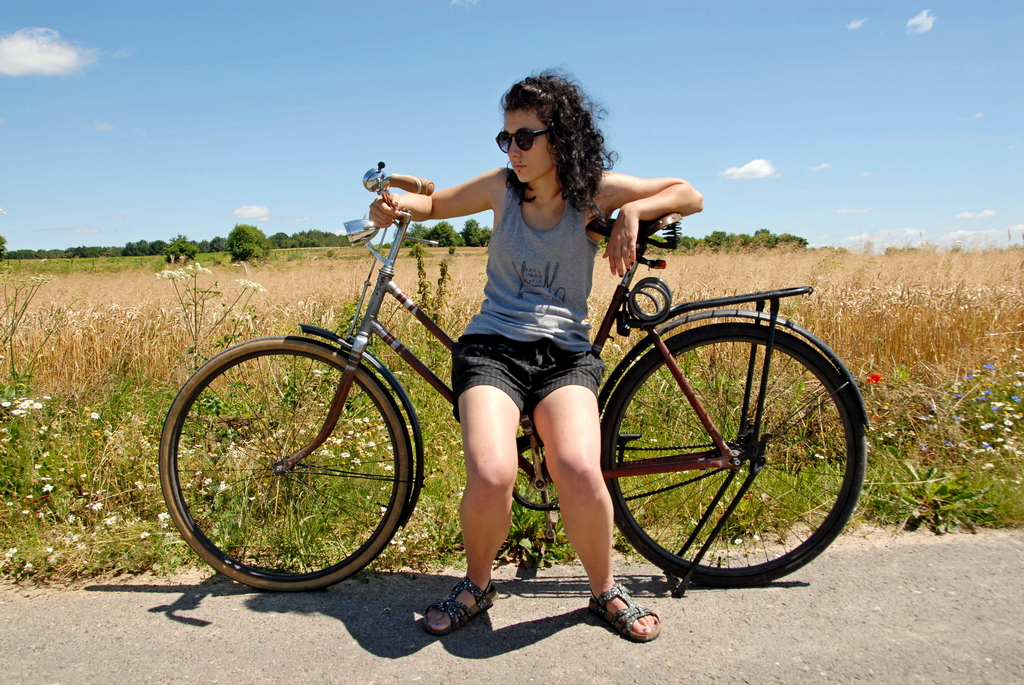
(733, 439)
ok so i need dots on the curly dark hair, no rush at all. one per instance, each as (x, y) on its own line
(577, 144)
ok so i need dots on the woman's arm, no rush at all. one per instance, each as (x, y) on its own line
(486, 191)
(636, 199)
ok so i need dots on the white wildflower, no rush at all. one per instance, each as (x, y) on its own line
(250, 285)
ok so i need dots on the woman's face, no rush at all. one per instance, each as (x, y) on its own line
(537, 162)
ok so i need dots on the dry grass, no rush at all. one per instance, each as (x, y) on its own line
(922, 319)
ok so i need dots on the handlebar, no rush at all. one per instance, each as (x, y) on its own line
(412, 184)
(376, 181)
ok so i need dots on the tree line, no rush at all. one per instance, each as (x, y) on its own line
(763, 239)
(246, 242)
(183, 246)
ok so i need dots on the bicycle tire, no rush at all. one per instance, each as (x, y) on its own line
(247, 408)
(798, 502)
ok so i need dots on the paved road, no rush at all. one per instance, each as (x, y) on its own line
(912, 609)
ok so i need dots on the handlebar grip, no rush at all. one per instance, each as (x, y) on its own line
(412, 184)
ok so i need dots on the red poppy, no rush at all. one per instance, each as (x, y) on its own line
(874, 378)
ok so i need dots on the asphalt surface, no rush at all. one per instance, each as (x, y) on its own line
(875, 608)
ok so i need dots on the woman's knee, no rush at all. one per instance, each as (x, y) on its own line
(492, 477)
(577, 471)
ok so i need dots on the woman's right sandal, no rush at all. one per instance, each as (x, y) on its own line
(458, 613)
(624, 619)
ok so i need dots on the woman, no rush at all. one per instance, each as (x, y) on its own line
(528, 349)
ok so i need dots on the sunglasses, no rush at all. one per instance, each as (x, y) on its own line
(523, 137)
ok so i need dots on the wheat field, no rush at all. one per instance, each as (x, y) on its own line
(92, 361)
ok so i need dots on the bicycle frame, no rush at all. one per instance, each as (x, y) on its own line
(722, 455)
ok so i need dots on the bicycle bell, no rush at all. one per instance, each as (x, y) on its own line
(375, 180)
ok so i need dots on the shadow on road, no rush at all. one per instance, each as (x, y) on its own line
(381, 611)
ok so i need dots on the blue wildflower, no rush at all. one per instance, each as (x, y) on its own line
(948, 443)
(990, 367)
(958, 396)
(1014, 398)
(971, 377)
(986, 393)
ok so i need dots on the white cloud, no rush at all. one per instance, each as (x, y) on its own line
(894, 237)
(821, 167)
(758, 168)
(1018, 227)
(866, 173)
(117, 216)
(102, 126)
(973, 117)
(256, 212)
(854, 211)
(977, 215)
(974, 238)
(2, 121)
(464, 3)
(921, 23)
(41, 52)
(857, 23)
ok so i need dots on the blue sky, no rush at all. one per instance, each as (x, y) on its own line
(842, 122)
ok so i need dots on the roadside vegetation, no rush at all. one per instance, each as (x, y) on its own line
(93, 354)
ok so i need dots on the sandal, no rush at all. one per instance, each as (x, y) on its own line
(624, 619)
(458, 613)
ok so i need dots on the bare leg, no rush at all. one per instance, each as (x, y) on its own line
(567, 421)
(490, 420)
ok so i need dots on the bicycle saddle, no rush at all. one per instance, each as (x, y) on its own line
(668, 224)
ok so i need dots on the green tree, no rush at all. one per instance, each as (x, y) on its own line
(445, 235)
(3, 247)
(280, 240)
(181, 248)
(475, 235)
(246, 243)
(791, 242)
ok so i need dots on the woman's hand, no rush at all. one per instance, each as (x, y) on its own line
(384, 213)
(621, 250)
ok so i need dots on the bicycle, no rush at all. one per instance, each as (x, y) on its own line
(289, 463)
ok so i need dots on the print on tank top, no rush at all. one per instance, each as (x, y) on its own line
(530, 278)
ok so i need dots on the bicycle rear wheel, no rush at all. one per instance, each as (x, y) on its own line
(798, 502)
(315, 525)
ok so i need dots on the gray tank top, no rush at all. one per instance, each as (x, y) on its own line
(538, 282)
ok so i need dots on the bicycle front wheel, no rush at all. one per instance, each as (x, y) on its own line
(814, 455)
(319, 523)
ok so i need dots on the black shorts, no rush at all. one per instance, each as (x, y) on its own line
(527, 371)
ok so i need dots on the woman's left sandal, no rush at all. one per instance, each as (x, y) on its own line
(623, 620)
(458, 613)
